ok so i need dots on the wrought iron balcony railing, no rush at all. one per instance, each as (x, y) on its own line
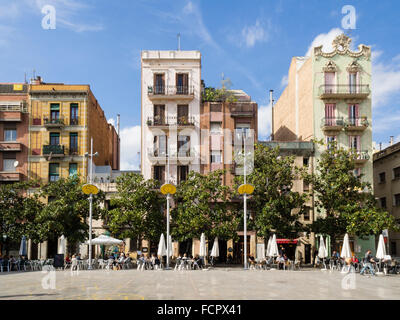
(357, 122)
(53, 149)
(170, 121)
(170, 90)
(344, 89)
(53, 122)
(332, 122)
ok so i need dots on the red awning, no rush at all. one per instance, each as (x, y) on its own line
(286, 241)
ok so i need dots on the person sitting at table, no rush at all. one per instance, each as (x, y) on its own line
(197, 262)
(120, 261)
(280, 261)
(354, 261)
(252, 261)
(156, 262)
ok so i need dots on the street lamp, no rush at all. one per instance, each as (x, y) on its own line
(90, 189)
(245, 189)
(168, 189)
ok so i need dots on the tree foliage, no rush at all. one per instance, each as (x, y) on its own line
(137, 209)
(344, 201)
(277, 207)
(202, 207)
(67, 210)
(218, 95)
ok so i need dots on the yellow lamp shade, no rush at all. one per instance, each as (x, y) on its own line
(90, 189)
(168, 189)
(246, 189)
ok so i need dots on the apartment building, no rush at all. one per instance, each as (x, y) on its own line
(170, 116)
(387, 189)
(328, 98)
(14, 124)
(63, 119)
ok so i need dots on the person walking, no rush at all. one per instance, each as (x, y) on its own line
(368, 260)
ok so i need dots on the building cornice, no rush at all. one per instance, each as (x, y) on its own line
(341, 46)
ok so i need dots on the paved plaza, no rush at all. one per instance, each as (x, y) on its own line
(220, 283)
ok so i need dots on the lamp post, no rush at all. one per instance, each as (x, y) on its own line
(90, 189)
(245, 189)
(168, 189)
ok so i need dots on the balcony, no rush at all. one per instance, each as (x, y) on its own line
(53, 150)
(10, 146)
(243, 109)
(157, 93)
(12, 113)
(361, 156)
(356, 124)
(53, 123)
(74, 121)
(6, 176)
(332, 124)
(160, 156)
(166, 122)
(338, 91)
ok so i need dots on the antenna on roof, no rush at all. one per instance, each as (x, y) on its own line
(179, 42)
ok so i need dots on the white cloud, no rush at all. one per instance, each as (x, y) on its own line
(253, 34)
(264, 122)
(324, 39)
(9, 10)
(111, 121)
(130, 147)
(385, 79)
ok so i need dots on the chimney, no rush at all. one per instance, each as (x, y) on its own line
(271, 101)
(391, 140)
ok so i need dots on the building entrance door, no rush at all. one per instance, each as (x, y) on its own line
(238, 250)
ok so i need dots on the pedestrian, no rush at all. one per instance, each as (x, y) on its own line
(368, 260)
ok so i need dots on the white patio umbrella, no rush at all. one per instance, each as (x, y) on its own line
(381, 251)
(322, 252)
(162, 249)
(203, 251)
(106, 240)
(170, 251)
(215, 248)
(61, 245)
(269, 246)
(23, 247)
(346, 252)
(274, 252)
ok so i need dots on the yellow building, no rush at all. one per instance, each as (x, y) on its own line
(63, 118)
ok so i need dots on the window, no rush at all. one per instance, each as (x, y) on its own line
(54, 138)
(354, 114)
(382, 177)
(396, 173)
(183, 172)
(330, 141)
(182, 82)
(216, 157)
(306, 186)
(73, 143)
(159, 174)
(183, 146)
(54, 172)
(352, 82)
(183, 114)
(306, 162)
(354, 143)
(396, 200)
(383, 202)
(307, 215)
(73, 169)
(74, 114)
(160, 146)
(330, 114)
(10, 134)
(216, 127)
(9, 159)
(159, 83)
(159, 114)
(54, 112)
(329, 82)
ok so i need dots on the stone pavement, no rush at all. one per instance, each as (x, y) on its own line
(220, 283)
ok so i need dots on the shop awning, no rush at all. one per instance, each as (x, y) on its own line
(286, 241)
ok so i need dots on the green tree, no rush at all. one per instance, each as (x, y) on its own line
(202, 207)
(218, 95)
(137, 209)
(344, 201)
(17, 212)
(66, 211)
(277, 207)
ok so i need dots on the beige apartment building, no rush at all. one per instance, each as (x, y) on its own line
(387, 189)
(328, 98)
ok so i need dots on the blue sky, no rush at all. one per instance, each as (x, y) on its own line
(98, 42)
